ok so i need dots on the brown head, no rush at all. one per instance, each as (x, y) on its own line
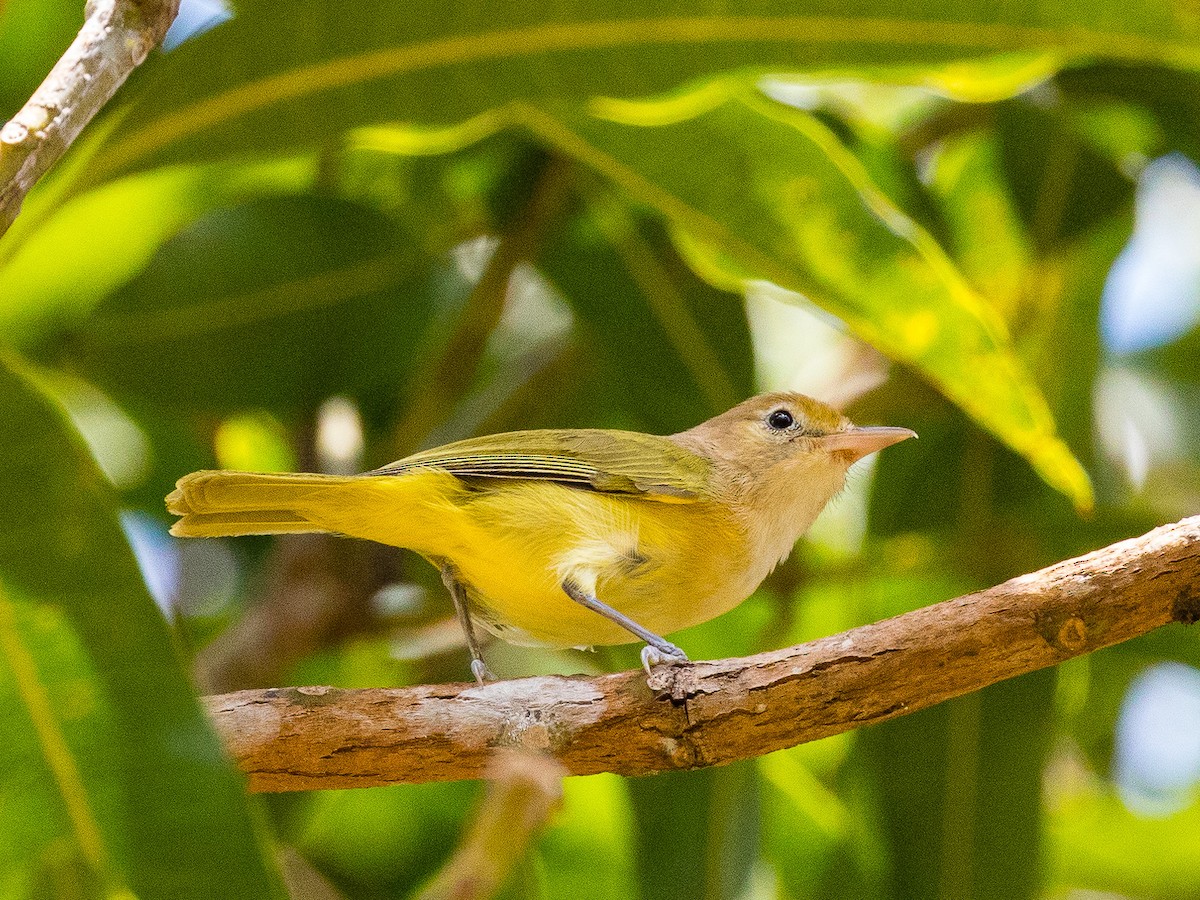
(779, 458)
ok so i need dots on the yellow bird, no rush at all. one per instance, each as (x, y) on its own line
(580, 537)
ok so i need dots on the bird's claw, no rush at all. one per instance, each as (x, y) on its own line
(664, 654)
(481, 672)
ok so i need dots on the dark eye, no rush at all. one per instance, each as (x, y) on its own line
(780, 420)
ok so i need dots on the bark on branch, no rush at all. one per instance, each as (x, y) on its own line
(116, 37)
(716, 712)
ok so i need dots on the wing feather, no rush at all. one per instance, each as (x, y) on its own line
(623, 462)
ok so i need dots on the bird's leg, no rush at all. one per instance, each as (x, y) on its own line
(657, 650)
(459, 594)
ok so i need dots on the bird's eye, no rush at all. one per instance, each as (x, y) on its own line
(780, 420)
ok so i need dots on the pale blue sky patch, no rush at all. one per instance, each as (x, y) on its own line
(1152, 295)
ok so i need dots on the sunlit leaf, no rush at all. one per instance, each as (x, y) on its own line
(990, 245)
(762, 191)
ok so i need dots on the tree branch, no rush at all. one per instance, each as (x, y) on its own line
(712, 713)
(117, 35)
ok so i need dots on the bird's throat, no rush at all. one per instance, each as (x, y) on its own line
(776, 511)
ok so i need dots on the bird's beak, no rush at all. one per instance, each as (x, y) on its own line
(858, 441)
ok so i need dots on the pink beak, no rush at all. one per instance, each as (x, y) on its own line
(862, 441)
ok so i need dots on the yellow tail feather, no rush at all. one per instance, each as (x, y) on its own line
(421, 510)
(224, 504)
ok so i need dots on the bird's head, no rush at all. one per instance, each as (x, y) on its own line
(794, 431)
(779, 458)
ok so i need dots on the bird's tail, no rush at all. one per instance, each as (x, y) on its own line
(222, 504)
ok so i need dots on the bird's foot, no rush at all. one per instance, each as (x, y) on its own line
(481, 672)
(661, 654)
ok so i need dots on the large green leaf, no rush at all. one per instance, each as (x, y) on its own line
(285, 76)
(277, 304)
(114, 781)
(451, 79)
(729, 178)
(680, 351)
(986, 233)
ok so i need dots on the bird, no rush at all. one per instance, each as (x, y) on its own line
(575, 537)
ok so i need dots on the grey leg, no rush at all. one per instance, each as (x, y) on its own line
(657, 650)
(459, 594)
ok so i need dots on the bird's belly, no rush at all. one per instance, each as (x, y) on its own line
(538, 612)
(665, 565)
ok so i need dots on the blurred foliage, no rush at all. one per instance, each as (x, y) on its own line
(503, 216)
(101, 724)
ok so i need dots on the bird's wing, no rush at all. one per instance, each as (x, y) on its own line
(621, 462)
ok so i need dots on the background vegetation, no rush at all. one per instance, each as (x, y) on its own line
(323, 235)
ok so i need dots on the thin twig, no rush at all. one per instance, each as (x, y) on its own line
(117, 35)
(524, 791)
(717, 712)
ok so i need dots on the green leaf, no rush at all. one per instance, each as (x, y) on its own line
(712, 817)
(114, 779)
(960, 789)
(62, 797)
(763, 191)
(33, 34)
(679, 351)
(276, 304)
(280, 77)
(226, 93)
(990, 245)
(56, 272)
